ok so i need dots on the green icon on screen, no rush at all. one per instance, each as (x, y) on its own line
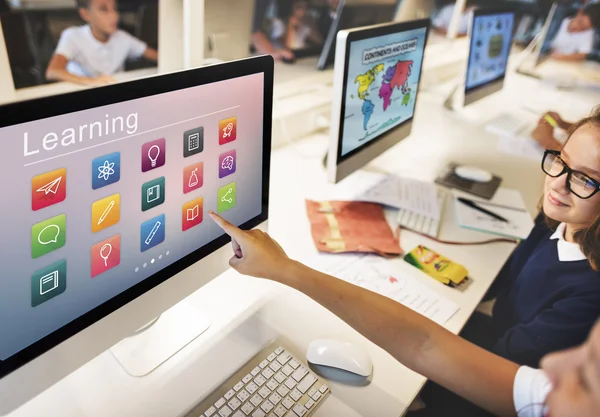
(226, 198)
(49, 235)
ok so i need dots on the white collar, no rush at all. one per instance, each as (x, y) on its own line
(97, 44)
(567, 251)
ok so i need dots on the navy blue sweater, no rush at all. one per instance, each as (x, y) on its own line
(543, 305)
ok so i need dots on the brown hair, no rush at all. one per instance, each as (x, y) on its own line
(83, 4)
(588, 238)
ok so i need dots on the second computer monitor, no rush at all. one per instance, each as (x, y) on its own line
(491, 34)
(377, 75)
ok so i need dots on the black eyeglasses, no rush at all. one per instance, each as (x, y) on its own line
(580, 184)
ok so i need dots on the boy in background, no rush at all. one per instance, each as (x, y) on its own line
(575, 38)
(92, 53)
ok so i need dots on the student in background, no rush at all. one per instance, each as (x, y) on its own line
(545, 131)
(441, 23)
(92, 53)
(302, 30)
(269, 28)
(575, 38)
(568, 385)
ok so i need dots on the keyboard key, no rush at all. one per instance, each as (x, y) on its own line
(272, 384)
(258, 413)
(294, 364)
(278, 350)
(263, 364)
(256, 400)
(252, 388)
(247, 379)
(306, 383)
(225, 411)
(210, 412)
(309, 404)
(290, 383)
(272, 357)
(287, 370)
(255, 371)
(220, 403)
(267, 373)
(267, 406)
(280, 377)
(300, 410)
(295, 395)
(283, 391)
(275, 366)
(238, 414)
(288, 403)
(323, 389)
(312, 392)
(275, 398)
(229, 394)
(260, 381)
(238, 386)
(243, 395)
(284, 358)
(264, 392)
(234, 404)
(280, 411)
(317, 396)
(247, 408)
(300, 373)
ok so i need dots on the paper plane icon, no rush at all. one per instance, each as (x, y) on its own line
(51, 187)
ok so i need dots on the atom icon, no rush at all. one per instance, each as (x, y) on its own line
(106, 170)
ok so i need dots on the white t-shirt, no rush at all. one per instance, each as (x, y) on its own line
(530, 391)
(573, 43)
(444, 17)
(88, 57)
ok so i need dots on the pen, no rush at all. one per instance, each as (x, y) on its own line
(106, 211)
(550, 120)
(473, 205)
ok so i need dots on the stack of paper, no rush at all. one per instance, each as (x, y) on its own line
(506, 203)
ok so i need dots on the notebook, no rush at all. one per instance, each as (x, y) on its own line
(507, 203)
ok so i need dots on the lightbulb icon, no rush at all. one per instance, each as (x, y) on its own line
(153, 154)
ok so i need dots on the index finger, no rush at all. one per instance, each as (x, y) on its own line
(227, 227)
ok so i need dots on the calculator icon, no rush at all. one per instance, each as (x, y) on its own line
(193, 142)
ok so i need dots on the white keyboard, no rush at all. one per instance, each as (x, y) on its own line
(420, 223)
(506, 124)
(273, 384)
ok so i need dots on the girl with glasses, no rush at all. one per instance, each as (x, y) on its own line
(568, 384)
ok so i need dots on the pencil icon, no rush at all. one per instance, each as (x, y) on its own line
(152, 232)
(106, 212)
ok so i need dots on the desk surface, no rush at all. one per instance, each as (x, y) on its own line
(257, 311)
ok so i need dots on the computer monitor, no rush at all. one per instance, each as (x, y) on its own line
(107, 221)
(377, 74)
(491, 33)
(541, 46)
(351, 14)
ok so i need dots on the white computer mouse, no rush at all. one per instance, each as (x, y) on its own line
(473, 174)
(340, 355)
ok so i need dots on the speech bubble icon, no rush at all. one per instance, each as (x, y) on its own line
(49, 234)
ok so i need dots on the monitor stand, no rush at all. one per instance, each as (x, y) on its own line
(157, 341)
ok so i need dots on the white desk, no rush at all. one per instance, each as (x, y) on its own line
(247, 313)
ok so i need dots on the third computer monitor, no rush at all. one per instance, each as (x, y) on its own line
(377, 75)
(491, 34)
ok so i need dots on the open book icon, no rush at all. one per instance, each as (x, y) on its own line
(193, 213)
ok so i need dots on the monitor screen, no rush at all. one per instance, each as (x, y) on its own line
(491, 39)
(380, 87)
(105, 198)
